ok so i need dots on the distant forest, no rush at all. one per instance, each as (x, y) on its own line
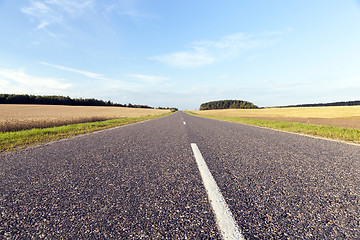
(348, 103)
(60, 100)
(226, 104)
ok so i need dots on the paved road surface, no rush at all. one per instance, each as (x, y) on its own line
(141, 181)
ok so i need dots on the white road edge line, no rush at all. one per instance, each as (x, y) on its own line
(225, 220)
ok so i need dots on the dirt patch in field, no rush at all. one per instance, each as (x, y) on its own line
(353, 122)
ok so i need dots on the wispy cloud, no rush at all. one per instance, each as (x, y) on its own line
(127, 85)
(42, 13)
(42, 25)
(18, 79)
(207, 52)
(138, 14)
(111, 82)
(82, 72)
(72, 6)
(49, 12)
(36, 8)
(149, 78)
(234, 42)
(195, 58)
(56, 18)
(130, 8)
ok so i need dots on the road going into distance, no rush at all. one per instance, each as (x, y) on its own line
(142, 181)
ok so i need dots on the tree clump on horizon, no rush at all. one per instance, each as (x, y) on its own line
(332, 104)
(227, 104)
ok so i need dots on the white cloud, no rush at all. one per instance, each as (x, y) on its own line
(10, 79)
(207, 52)
(148, 78)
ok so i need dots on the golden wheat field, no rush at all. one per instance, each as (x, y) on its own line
(342, 116)
(18, 117)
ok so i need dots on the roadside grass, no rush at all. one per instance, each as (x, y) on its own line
(330, 132)
(24, 138)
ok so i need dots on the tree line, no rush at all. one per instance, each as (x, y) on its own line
(61, 100)
(226, 104)
(333, 104)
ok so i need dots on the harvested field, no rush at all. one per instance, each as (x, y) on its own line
(343, 116)
(15, 117)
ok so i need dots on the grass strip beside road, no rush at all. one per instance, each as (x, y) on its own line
(24, 138)
(330, 132)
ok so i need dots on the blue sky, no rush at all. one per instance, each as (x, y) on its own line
(181, 53)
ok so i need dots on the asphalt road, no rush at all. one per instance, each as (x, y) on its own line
(141, 181)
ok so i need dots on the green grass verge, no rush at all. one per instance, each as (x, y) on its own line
(337, 133)
(24, 138)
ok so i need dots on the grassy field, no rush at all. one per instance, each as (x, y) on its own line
(346, 116)
(14, 117)
(25, 125)
(340, 123)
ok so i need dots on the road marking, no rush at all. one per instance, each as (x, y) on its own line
(225, 220)
(184, 123)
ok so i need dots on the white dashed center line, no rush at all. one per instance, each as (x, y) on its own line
(225, 220)
(184, 123)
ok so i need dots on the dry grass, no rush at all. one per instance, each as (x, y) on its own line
(343, 116)
(15, 117)
(303, 112)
